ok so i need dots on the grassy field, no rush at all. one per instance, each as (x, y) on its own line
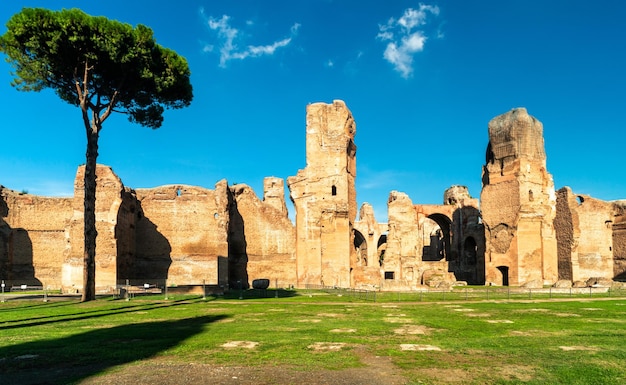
(565, 341)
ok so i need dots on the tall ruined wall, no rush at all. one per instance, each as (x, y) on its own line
(518, 203)
(619, 241)
(261, 236)
(109, 194)
(408, 239)
(467, 248)
(324, 197)
(33, 238)
(370, 243)
(182, 234)
(584, 227)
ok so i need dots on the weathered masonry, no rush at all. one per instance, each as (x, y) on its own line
(522, 232)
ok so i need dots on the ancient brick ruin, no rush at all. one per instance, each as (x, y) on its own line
(522, 232)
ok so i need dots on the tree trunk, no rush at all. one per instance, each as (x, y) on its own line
(90, 233)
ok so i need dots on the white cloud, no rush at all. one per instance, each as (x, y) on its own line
(403, 41)
(228, 38)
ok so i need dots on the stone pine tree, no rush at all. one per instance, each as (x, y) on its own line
(102, 66)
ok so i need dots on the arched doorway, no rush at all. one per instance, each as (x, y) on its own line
(360, 245)
(381, 247)
(504, 270)
(439, 239)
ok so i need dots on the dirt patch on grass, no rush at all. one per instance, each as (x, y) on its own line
(413, 330)
(330, 315)
(579, 348)
(416, 347)
(327, 346)
(343, 331)
(397, 320)
(240, 345)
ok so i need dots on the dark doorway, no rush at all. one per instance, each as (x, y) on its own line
(505, 275)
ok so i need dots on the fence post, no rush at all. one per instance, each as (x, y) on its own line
(45, 293)
(2, 285)
(166, 289)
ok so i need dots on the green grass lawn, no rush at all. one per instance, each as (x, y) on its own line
(578, 341)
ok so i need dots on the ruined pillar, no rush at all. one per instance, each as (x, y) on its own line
(518, 203)
(619, 241)
(324, 197)
(109, 198)
(274, 194)
(584, 230)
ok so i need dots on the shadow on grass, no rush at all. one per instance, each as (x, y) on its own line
(70, 359)
(83, 315)
(258, 293)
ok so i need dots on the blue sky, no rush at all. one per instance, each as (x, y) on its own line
(421, 79)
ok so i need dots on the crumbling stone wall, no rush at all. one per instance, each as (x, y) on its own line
(182, 234)
(33, 239)
(518, 203)
(109, 194)
(370, 244)
(467, 252)
(324, 197)
(619, 241)
(189, 235)
(584, 228)
(262, 238)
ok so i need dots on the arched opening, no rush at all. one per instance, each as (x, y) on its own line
(381, 247)
(436, 238)
(504, 270)
(360, 245)
(333, 190)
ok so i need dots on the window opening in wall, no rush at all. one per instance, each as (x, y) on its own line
(334, 190)
(178, 192)
(580, 199)
(390, 275)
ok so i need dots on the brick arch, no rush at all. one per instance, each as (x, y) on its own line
(445, 224)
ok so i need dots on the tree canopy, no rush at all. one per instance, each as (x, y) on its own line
(106, 64)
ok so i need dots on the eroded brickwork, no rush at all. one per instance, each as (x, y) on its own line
(324, 197)
(518, 203)
(262, 237)
(182, 234)
(520, 234)
(589, 239)
(33, 238)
